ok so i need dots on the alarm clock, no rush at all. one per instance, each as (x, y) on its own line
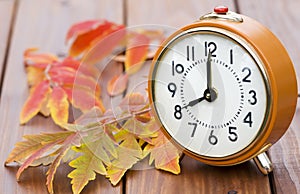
(223, 89)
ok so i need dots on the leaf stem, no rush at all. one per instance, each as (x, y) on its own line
(93, 126)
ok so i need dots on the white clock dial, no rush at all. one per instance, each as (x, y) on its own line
(210, 92)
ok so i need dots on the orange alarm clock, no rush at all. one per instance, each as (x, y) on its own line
(223, 89)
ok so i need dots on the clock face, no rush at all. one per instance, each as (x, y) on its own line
(210, 92)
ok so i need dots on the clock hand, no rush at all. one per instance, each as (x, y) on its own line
(210, 93)
(194, 102)
(208, 71)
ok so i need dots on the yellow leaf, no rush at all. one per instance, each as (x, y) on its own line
(129, 153)
(33, 143)
(59, 106)
(86, 166)
(34, 75)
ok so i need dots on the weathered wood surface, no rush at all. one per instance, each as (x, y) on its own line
(7, 12)
(283, 19)
(44, 24)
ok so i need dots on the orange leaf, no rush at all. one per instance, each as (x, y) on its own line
(136, 53)
(33, 104)
(117, 85)
(85, 38)
(87, 70)
(59, 106)
(81, 27)
(83, 99)
(133, 102)
(30, 57)
(165, 154)
(104, 45)
(63, 75)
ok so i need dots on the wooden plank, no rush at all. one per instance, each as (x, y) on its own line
(6, 18)
(198, 178)
(195, 176)
(42, 24)
(283, 19)
(170, 13)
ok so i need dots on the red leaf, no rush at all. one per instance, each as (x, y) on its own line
(117, 85)
(84, 40)
(34, 102)
(82, 27)
(104, 45)
(136, 53)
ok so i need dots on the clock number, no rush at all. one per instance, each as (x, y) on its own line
(231, 56)
(253, 100)
(248, 119)
(177, 113)
(172, 88)
(178, 68)
(213, 140)
(188, 53)
(246, 78)
(194, 128)
(210, 47)
(232, 134)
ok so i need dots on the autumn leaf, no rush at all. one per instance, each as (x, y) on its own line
(59, 106)
(55, 84)
(83, 98)
(94, 156)
(133, 102)
(34, 147)
(117, 85)
(129, 153)
(73, 139)
(89, 33)
(164, 154)
(81, 27)
(34, 75)
(38, 59)
(38, 95)
(102, 47)
(136, 52)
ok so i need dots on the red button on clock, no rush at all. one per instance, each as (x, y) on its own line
(221, 10)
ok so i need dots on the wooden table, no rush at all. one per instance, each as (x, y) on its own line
(28, 23)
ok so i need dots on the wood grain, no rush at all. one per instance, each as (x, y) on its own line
(6, 17)
(283, 19)
(198, 178)
(195, 177)
(42, 24)
(169, 12)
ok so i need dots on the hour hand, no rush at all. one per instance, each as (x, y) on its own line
(194, 102)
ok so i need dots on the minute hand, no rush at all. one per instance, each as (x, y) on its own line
(208, 72)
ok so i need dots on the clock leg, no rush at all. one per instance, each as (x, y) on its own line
(264, 163)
